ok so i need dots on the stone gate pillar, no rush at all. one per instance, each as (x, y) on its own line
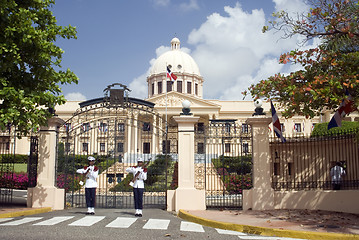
(261, 196)
(46, 194)
(186, 196)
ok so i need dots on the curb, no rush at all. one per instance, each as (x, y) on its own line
(25, 213)
(263, 230)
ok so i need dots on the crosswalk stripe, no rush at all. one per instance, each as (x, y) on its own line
(157, 224)
(5, 219)
(21, 221)
(229, 232)
(53, 221)
(121, 222)
(191, 227)
(87, 221)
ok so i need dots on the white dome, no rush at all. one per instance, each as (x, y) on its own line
(178, 61)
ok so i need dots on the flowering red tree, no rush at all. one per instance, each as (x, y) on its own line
(329, 71)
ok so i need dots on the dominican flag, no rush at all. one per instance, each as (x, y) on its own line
(276, 123)
(67, 127)
(345, 107)
(171, 75)
(102, 127)
(86, 127)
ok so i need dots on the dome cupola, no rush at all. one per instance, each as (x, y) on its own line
(189, 79)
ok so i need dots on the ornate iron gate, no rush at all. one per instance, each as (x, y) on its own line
(7, 163)
(116, 130)
(223, 162)
(33, 160)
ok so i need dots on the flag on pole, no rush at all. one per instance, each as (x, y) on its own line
(102, 127)
(171, 75)
(276, 123)
(345, 107)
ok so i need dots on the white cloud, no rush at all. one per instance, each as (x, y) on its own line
(161, 3)
(292, 7)
(189, 6)
(232, 52)
(75, 96)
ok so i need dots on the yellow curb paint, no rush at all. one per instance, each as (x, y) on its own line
(263, 230)
(25, 213)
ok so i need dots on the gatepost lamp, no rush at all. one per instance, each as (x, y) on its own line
(259, 110)
(186, 110)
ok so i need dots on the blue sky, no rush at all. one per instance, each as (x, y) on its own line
(118, 40)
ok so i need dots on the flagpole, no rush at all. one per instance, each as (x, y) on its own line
(166, 100)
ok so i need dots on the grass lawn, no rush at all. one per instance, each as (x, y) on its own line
(20, 167)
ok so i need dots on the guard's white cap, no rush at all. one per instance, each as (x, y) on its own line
(139, 159)
(91, 158)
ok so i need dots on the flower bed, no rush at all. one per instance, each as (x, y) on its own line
(14, 181)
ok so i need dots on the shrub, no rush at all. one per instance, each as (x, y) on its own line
(321, 129)
(14, 181)
(236, 183)
(11, 158)
(239, 165)
(69, 182)
(123, 186)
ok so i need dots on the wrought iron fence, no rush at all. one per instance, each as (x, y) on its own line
(304, 163)
(223, 162)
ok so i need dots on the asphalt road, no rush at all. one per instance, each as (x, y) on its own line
(110, 223)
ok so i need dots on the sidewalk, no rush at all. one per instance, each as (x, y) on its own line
(18, 210)
(302, 224)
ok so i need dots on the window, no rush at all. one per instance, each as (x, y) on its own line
(245, 148)
(146, 126)
(67, 147)
(179, 86)
(153, 89)
(159, 87)
(119, 177)
(276, 168)
(110, 177)
(200, 148)
(297, 127)
(169, 86)
(120, 147)
(121, 127)
(146, 147)
(166, 146)
(200, 127)
(196, 88)
(227, 128)
(85, 147)
(244, 128)
(189, 87)
(282, 127)
(102, 147)
(227, 147)
(290, 169)
(86, 127)
(102, 127)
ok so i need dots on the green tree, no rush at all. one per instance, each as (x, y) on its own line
(30, 78)
(329, 71)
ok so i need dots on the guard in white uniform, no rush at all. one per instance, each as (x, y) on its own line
(140, 175)
(91, 173)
